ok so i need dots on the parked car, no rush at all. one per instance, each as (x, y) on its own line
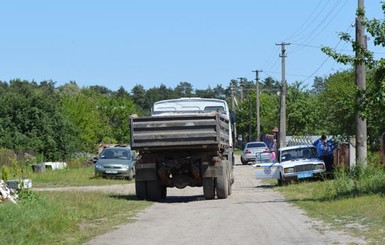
(251, 149)
(116, 162)
(294, 163)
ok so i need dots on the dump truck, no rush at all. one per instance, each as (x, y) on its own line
(185, 142)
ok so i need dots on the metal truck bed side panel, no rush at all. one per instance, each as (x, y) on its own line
(180, 131)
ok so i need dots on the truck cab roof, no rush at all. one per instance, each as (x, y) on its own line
(190, 105)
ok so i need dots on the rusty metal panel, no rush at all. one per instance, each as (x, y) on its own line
(180, 131)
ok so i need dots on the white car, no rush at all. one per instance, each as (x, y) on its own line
(294, 163)
(251, 149)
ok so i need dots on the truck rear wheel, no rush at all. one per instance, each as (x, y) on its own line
(164, 191)
(208, 188)
(222, 186)
(230, 184)
(141, 189)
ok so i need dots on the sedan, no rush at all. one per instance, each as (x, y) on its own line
(251, 150)
(299, 162)
(116, 162)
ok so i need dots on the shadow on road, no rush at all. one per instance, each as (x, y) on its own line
(180, 199)
(266, 186)
(168, 199)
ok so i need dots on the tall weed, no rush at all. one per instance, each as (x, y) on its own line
(353, 182)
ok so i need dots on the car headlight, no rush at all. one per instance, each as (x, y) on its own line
(319, 166)
(288, 170)
(125, 167)
(98, 166)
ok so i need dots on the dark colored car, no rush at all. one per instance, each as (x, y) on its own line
(116, 162)
(251, 150)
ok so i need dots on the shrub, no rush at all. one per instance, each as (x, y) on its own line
(356, 181)
(5, 173)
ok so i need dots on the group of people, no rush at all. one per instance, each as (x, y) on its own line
(325, 150)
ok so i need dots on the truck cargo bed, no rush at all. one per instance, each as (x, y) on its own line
(179, 131)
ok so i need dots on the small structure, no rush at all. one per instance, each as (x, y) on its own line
(18, 184)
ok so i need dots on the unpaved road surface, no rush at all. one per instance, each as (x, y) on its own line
(253, 214)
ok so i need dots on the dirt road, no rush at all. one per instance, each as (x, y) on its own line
(253, 214)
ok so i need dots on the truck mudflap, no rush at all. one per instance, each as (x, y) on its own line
(212, 171)
(267, 170)
(146, 172)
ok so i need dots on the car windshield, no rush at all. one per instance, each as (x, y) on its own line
(298, 153)
(256, 145)
(111, 153)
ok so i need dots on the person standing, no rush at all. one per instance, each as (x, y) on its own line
(325, 150)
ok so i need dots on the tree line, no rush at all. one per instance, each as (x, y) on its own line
(59, 121)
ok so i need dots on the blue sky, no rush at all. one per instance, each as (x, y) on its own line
(206, 43)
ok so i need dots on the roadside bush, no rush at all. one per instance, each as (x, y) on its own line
(27, 196)
(5, 173)
(6, 156)
(353, 182)
(76, 163)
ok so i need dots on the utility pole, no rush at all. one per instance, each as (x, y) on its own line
(241, 86)
(232, 98)
(257, 103)
(233, 108)
(249, 101)
(361, 126)
(282, 108)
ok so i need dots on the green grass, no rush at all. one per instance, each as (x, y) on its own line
(64, 217)
(353, 202)
(82, 176)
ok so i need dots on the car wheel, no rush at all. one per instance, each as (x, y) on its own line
(281, 182)
(130, 175)
(243, 161)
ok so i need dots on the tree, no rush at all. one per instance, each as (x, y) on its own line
(373, 97)
(31, 119)
(336, 105)
(183, 89)
(318, 85)
(301, 112)
(117, 110)
(139, 97)
(82, 110)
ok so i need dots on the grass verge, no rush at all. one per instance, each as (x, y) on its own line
(64, 217)
(82, 176)
(354, 201)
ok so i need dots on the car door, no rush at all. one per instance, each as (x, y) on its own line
(266, 168)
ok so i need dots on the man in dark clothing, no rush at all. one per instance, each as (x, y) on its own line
(325, 150)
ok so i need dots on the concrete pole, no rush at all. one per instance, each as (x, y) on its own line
(282, 109)
(257, 103)
(360, 72)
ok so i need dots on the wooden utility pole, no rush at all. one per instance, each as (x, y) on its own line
(282, 109)
(361, 126)
(257, 103)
